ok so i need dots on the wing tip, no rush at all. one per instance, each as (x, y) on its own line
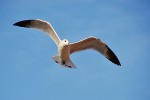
(118, 63)
(24, 23)
(112, 57)
(115, 61)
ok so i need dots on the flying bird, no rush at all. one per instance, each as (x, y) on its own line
(65, 48)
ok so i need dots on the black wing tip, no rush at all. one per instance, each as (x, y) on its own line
(118, 63)
(112, 57)
(115, 61)
(24, 23)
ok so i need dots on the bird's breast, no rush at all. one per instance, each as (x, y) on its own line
(64, 52)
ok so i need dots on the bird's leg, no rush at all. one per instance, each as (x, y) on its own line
(63, 62)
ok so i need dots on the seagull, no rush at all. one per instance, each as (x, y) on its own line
(65, 49)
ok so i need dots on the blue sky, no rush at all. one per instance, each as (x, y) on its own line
(28, 73)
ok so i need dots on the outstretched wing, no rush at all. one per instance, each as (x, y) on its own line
(41, 25)
(96, 44)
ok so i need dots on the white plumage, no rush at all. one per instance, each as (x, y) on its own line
(65, 48)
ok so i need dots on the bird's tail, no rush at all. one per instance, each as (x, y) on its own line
(68, 64)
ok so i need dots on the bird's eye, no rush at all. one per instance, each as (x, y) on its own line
(65, 41)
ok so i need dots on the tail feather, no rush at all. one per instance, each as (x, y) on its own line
(56, 59)
(68, 64)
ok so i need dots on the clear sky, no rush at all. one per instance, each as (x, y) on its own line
(28, 73)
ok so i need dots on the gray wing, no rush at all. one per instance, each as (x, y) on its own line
(96, 44)
(41, 25)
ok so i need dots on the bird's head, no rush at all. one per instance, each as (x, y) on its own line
(65, 42)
